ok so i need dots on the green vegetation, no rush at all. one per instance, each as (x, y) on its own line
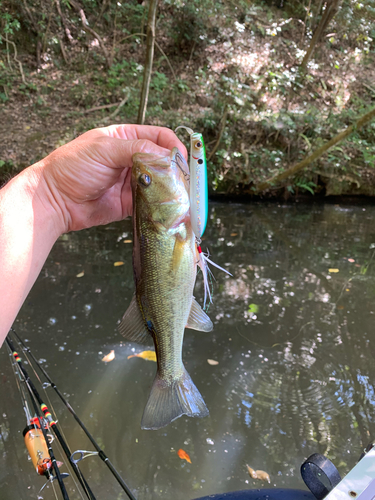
(236, 71)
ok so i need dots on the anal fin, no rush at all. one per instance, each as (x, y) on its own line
(198, 319)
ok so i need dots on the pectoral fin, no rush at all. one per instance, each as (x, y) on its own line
(132, 325)
(198, 319)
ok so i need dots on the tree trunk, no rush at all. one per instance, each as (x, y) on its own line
(150, 42)
(332, 6)
(364, 120)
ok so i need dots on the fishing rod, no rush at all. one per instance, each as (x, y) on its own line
(100, 452)
(37, 443)
(52, 424)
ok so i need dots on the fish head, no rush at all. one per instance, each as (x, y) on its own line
(197, 146)
(160, 187)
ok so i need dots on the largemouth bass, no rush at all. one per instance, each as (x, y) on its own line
(165, 265)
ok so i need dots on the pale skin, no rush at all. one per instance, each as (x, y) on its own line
(82, 184)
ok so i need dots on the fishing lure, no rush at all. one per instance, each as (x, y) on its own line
(199, 203)
(198, 182)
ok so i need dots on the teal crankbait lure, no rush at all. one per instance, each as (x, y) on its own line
(199, 202)
(198, 183)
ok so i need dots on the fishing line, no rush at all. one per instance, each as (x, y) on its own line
(40, 420)
(101, 453)
(69, 464)
(52, 424)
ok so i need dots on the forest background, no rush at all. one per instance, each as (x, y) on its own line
(283, 91)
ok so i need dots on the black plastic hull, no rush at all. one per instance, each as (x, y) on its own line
(263, 494)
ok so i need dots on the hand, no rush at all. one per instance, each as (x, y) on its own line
(88, 179)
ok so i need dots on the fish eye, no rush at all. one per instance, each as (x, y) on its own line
(198, 144)
(145, 179)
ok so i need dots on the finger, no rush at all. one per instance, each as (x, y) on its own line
(117, 153)
(162, 136)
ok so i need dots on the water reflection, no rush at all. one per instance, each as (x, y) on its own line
(292, 337)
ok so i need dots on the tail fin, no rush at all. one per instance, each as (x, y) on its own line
(168, 401)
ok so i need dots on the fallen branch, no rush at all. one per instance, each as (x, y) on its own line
(364, 120)
(105, 106)
(117, 110)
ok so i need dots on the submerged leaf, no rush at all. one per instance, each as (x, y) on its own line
(128, 241)
(118, 263)
(253, 308)
(79, 275)
(183, 455)
(109, 357)
(148, 355)
(212, 362)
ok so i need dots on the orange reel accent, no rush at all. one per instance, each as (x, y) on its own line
(37, 448)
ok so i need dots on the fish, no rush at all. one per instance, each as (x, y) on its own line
(165, 261)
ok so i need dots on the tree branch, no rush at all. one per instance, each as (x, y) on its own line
(150, 41)
(364, 120)
(86, 27)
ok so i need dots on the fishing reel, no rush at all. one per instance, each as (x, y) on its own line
(37, 447)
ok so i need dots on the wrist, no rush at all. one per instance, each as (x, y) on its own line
(48, 208)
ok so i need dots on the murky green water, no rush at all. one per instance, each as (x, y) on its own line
(293, 337)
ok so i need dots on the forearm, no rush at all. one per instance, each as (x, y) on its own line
(30, 223)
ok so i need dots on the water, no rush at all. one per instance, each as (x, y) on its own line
(293, 338)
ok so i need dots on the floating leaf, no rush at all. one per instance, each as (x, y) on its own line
(212, 362)
(253, 308)
(183, 455)
(251, 472)
(148, 355)
(109, 357)
(261, 475)
(118, 263)
(128, 241)
(351, 260)
(79, 275)
(233, 234)
(333, 270)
